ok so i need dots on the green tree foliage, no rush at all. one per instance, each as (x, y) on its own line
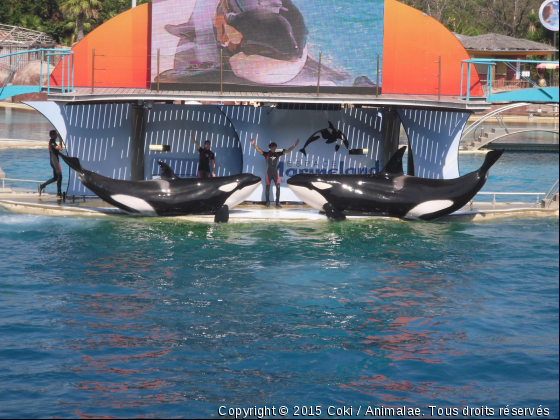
(80, 10)
(516, 18)
(31, 22)
(61, 18)
(13, 11)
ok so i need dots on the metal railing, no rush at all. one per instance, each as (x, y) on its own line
(19, 180)
(494, 113)
(492, 82)
(494, 195)
(219, 74)
(547, 201)
(553, 190)
(11, 74)
(67, 68)
(18, 39)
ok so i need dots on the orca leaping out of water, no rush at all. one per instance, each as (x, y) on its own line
(331, 135)
(390, 193)
(170, 195)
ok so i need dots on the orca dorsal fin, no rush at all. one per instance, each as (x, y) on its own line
(167, 173)
(395, 166)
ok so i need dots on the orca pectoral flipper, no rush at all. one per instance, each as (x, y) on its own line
(222, 216)
(333, 214)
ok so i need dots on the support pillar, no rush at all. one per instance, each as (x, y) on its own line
(433, 138)
(137, 143)
(391, 134)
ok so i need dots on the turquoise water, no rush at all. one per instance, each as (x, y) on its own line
(134, 318)
(19, 124)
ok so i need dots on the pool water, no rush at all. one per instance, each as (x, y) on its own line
(155, 318)
(19, 124)
(134, 318)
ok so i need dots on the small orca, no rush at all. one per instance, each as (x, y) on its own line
(331, 135)
(390, 193)
(170, 195)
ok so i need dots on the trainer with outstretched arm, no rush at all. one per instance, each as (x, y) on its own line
(272, 157)
(206, 156)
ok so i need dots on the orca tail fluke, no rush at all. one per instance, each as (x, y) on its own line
(304, 152)
(222, 216)
(491, 158)
(73, 162)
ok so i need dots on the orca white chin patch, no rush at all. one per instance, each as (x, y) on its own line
(240, 196)
(428, 207)
(229, 187)
(135, 203)
(310, 197)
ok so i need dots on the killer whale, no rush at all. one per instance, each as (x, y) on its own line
(272, 28)
(331, 134)
(390, 193)
(170, 195)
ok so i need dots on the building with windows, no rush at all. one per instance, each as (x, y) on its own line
(502, 47)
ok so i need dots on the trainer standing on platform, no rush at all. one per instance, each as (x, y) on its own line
(206, 156)
(54, 151)
(272, 157)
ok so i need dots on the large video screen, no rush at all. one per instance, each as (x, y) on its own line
(259, 44)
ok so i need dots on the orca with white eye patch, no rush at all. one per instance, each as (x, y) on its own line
(390, 193)
(170, 195)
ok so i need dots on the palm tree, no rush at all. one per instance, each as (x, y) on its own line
(31, 22)
(81, 9)
(71, 26)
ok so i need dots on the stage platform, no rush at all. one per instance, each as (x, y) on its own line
(82, 95)
(49, 205)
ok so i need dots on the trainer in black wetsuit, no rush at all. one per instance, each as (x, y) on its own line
(54, 151)
(206, 156)
(272, 158)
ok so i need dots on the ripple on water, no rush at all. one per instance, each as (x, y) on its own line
(129, 318)
(140, 317)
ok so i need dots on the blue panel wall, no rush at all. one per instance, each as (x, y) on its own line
(99, 135)
(363, 128)
(434, 138)
(172, 125)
